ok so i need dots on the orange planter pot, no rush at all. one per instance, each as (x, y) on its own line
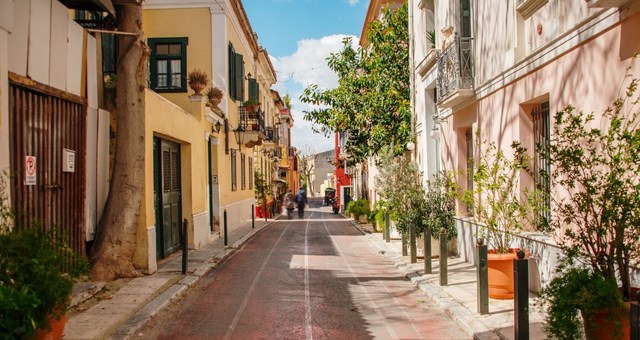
(500, 270)
(57, 329)
(601, 326)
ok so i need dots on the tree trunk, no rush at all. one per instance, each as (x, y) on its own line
(115, 243)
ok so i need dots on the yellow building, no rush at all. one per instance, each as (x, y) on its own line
(203, 154)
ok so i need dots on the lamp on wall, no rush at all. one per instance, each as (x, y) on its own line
(215, 128)
(239, 133)
(435, 131)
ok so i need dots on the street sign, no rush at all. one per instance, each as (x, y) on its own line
(30, 170)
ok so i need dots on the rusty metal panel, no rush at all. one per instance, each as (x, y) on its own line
(43, 124)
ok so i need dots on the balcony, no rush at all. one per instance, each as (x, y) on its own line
(271, 137)
(251, 129)
(455, 82)
(606, 3)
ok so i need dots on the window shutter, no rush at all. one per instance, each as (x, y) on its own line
(232, 66)
(254, 90)
(239, 69)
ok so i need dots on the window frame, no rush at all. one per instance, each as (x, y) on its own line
(243, 174)
(541, 119)
(153, 66)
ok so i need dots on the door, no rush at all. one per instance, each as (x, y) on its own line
(167, 196)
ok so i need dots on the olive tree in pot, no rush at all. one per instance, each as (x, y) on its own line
(440, 199)
(502, 209)
(596, 174)
(400, 184)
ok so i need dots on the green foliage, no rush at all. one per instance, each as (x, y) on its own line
(574, 293)
(496, 200)
(37, 271)
(597, 164)
(441, 205)
(371, 103)
(36, 274)
(400, 184)
(431, 38)
(261, 186)
(358, 208)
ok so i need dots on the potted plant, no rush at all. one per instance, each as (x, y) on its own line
(251, 106)
(198, 80)
(501, 209)
(596, 167)
(214, 95)
(359, 209)
(440, 199)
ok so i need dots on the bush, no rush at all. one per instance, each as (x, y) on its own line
(358, 208)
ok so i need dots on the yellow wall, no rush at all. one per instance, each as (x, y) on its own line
(193, 23)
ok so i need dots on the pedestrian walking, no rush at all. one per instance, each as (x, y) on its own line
(289, 203)
(301, 200)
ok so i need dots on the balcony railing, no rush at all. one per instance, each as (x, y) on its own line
(455, 72)
(271, 135)
(252, 120)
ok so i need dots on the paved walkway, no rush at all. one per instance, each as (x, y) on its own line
(138, 300)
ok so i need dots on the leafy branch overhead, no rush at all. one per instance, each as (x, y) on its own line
(372, 100)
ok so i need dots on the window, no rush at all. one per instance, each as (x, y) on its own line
(243, 175)
(542, 166)
(236, 74)
(254, 90)
(168, 64)
(250, 173)
(234, 179)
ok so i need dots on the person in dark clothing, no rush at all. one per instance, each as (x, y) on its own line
(301, 201)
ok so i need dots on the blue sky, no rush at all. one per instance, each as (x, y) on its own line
(299, 35)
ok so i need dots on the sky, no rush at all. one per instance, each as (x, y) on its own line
(299, 35)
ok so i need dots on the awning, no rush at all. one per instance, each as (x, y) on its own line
(91, 5)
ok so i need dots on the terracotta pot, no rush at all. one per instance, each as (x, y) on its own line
(602, 326)
(57, 329)
(500, 270)
(197, 87)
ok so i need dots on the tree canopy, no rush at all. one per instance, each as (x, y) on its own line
(371, 103)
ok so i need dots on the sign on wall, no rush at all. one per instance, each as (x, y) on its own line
(30, 170)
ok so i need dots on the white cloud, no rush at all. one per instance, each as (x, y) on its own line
(308, 65)
(353, 2)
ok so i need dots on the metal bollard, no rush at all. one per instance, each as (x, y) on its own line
(225, 228)
(253, 217)
(443, 260)
(387, 228)
(483, 277)
(185, 242)
(521, 296)
(412, 243)
(427, 251)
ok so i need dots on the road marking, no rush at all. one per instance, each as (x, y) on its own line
(307, 293)
(243, 305)
(387, 327)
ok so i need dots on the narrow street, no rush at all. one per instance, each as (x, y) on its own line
(318, 277)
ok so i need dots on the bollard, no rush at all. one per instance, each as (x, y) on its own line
(483, 277)
(427, 251)
(443, 259)
(387, 228)
(635, 318)
(404, 245)
(185, 241)
(412, 241)
(521, 296)
(253, 217)
(225, 228)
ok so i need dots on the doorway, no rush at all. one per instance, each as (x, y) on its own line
(167, 194)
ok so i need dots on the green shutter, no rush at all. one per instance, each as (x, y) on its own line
(232, 66)
(254, 93)
(239, 69)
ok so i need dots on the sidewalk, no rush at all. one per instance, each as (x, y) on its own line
(136, 301)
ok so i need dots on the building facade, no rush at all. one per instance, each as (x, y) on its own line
(504, 79)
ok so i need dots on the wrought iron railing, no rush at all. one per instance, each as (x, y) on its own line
(251, 120)
(455, 67)
(271, 134)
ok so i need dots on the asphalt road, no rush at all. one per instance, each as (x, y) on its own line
(316, 277)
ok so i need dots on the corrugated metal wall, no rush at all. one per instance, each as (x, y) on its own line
(44, 122)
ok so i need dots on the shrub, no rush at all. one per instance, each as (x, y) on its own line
(358, 208)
